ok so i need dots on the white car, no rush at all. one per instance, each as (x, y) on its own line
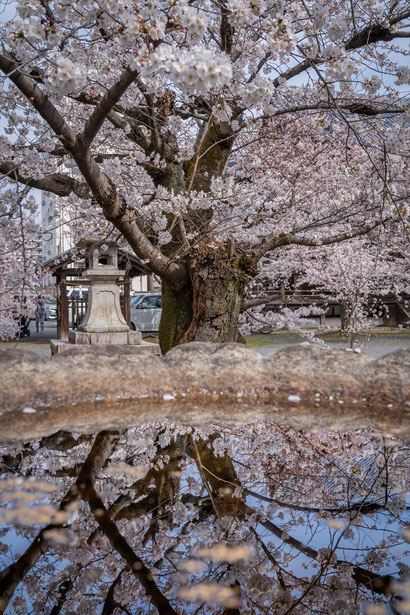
(51, 309)
(146, 311)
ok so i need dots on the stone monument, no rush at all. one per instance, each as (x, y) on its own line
(104, 322)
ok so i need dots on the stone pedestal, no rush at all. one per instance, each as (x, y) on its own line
(105, 337)
(58, 346)
(103, 313)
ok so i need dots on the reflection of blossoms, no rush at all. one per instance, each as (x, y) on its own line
(326, 555)
(189, 536)
(374, 559)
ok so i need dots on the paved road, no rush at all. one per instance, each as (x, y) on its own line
(50, 331)
(376, 346)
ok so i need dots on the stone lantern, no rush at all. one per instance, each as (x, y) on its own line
(103, 322)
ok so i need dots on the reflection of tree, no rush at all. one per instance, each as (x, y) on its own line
(12, 576)
(162, 508)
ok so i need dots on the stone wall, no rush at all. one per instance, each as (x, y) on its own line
(306, 386)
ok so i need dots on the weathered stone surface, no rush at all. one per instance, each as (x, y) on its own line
(110, 350)
(94, 387)
(109, 337)
(13, 358)
(134, 337)
(78, 337)
(57, 346)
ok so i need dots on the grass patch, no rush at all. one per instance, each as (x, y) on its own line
(151, 338)
(257, 341)
(279, 338)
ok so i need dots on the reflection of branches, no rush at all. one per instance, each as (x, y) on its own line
(218, 475)
(270, 558)
(58, 441)
(166, 482)
(363, 507)
(380, 584)
(176, 513)
(110, 603)
(62, 592)
(13, 575)
(119, 543)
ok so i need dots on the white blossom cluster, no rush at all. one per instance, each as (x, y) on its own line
(241, 13)
(65, 76)
(200, 70)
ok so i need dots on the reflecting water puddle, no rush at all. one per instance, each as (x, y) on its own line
(172, 519)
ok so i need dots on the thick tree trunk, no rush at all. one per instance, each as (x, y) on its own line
(208, 310)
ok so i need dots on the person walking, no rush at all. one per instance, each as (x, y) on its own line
(40, 314)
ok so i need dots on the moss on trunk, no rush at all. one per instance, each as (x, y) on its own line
(209, 309)
(176, 316)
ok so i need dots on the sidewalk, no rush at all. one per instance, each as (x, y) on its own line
(382, 341)
(37, 342)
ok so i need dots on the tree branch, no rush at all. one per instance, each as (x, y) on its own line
(57, 183)
(38, 99)
(375, 33)
(370, 34)
(271, 243)
(103, 108)
(361, 107)
(113, 204)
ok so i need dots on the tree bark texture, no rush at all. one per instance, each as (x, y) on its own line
(208, 309)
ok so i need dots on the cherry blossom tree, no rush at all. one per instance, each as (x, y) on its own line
(147, 114)
(326, 185)
(358, 275)
(19, 266)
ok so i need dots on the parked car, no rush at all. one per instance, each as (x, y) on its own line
(51, 309)
(146, 311)
(50, 304)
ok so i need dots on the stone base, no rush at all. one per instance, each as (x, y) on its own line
(134, 338)
(111, 338)
(78, 337)
(59, 346)
(104, 339)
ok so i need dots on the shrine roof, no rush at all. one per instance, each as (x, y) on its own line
(72, 262)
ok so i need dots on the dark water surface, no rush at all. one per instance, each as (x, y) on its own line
(170, 519)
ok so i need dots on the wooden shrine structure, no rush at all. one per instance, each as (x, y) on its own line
(68, 269)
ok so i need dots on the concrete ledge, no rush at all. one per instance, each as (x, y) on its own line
(59, 346)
